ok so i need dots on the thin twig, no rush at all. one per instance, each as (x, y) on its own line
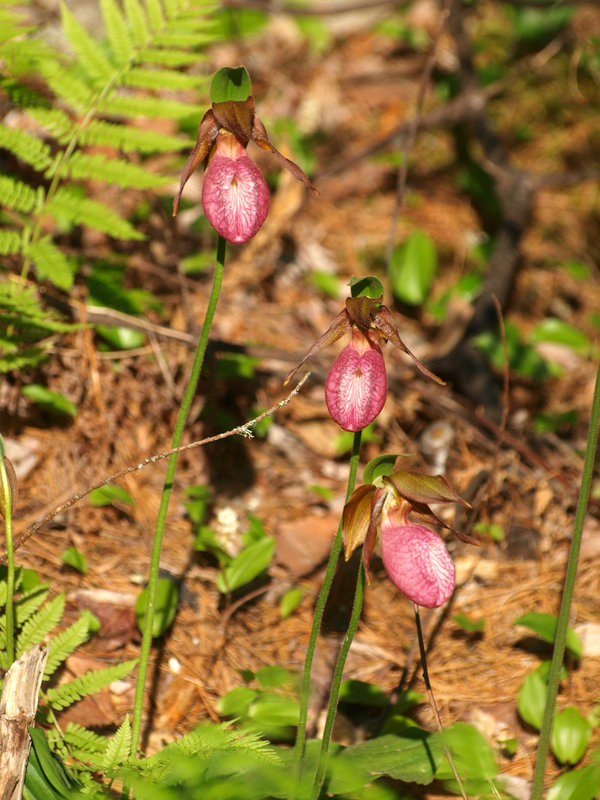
(243, 430)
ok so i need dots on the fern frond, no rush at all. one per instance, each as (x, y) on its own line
(87, 166)
(89, 55)
(118, 748)
(132, 139)
(155, 13)
(20, 309)
(169, 58)
(138, 21)
(40, 624)
(26, 147)
(20, 196)
(118, 34)
(149, 78)
(63, 644)
(140, 105)
(181, 38)
(93, 681)
(10, 242)
(51, 263)
(29, 603)
(74, 92)
(55, 121)
(70, 205)
(84, 739)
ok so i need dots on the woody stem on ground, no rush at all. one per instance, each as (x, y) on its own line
(10, 560)
(565, 607)
(337, 681)
(317, 619)
(146, 645)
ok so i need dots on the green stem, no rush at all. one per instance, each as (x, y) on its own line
(10, 561)
(565, 607)
(190, 391)
(316, 626)
(337, 680)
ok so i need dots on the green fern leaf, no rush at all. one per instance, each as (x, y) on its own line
(65, 642)
(93, 681)
(113, 170)
(18, 195)
(169, 58)
(29, 603)
(131, 139)
(139, 105)
(137, 21)
(155, 14)
(51, 263)
(26, 147)
(118, 749)
(89, 55)
(147, 78)
(118, 34)
(84, 739)
(55, 121)
(10, 242)
(181, 38)
(73, 91)
(68, 204)
(40, 624)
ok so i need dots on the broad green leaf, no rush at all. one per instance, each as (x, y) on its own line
(468, 624)
(46, 777)
(411, 757)
(380, 465)
(236, 702)
(363, 694)
(532, 699)
(577, 784)
(246, 566)
(366, 287)
(73, 557)
(122, 338)
(274, 676)
(54, 402)
(571, 734)
(106, 495)
(545, 626)
(165, 608)
(412, 269)
(290, 602)
(230, 83)
(560, 332)
(473, 758)
(273, 711)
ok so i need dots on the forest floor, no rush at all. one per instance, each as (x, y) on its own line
(353, 93)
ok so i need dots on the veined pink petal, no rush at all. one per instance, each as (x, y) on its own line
(416, 560)
(235, 195)
(356, 385)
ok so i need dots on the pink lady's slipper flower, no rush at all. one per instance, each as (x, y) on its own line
(234, 195)
(415, 557)
(356, 385)
(417, 562)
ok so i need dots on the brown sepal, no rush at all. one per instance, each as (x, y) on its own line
(207, 133)
(382, 320)
(339, 326)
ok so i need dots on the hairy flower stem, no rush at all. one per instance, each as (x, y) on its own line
(10, 561)
(568, 588)
(190, 391)
(316, 626)
(337, 681)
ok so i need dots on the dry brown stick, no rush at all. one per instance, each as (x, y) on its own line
(17, 712)
(242, 430)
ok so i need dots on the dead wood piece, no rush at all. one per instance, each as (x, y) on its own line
(17, 712)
